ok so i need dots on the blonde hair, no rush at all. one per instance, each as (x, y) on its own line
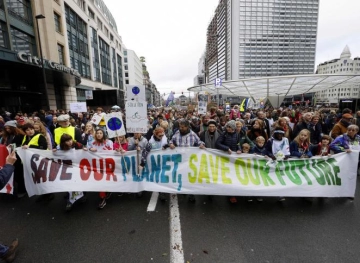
(297, 138)
(42, 128)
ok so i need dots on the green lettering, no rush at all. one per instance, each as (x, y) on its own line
(255, 180)
(192, 166)
(291, 174)
(336, 170)
(225, 170)
(204, 172)
(240, 163)
(264, 172)
(214, 168)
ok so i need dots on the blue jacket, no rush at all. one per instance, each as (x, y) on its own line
(295, 151)
(228, 141)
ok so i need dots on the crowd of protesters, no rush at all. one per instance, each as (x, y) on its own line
(286, 132)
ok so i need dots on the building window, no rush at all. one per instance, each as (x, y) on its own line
(78, 42)
(91, 14)
(61, 54)
(120, 72)
(23, 42)
(99, 23)
(21, 9)
(57, 20)
(115, 75)
(105, 62)
(126, 75)
(4, 37)
(111, 37)
(106, 31)
(95, 55)
(126, 81)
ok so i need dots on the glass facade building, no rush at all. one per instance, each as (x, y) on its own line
(258, 38)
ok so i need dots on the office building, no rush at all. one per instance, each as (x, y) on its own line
(259, 38)
(81, 47)
(340, 93)
(132, 68)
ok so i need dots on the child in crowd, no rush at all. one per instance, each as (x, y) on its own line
(246, 148)
(323, 148)
(259, 147)
(67, 143)
(300, 146)
(277, 148)
(121, 144)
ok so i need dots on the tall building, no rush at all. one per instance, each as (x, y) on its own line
(81, 47)
(258, 38)
(133, 68)
(339, 66)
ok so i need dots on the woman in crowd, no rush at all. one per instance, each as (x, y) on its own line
(229, 142)
(67, 143)
(256, 130)
(88, 136)
(347, 141)
(40, 128)
(33, 139)
(283, 123)
(102, 144)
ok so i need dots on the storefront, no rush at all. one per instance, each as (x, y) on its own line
(22, 83)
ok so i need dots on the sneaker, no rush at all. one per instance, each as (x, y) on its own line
(10, 254)
(192, 198)
(281, 199)
(69, 206)
(162, 197)
(102, 203)
(233, 200)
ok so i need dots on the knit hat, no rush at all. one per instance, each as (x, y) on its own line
(10, 124)
(231, 124)
(211, 121)
(64, 117)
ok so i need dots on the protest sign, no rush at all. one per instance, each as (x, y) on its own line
(136, 116)
(188, 170)
(96, 118)
(114, 124)
(135, 92)
(77, 107)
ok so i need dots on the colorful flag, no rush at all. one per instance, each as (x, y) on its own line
(170, 98)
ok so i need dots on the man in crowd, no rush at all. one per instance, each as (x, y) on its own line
(185, 137)
(65, 127)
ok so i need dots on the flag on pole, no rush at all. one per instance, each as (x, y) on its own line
(170, 98)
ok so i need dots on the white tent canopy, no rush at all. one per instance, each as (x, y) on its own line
(278, 87)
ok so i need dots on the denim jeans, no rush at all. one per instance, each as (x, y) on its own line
(3, 250)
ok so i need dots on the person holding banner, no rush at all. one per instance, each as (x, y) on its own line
(100, 144)
(8, 253)
(229, 142)
(347, 141)
(157, 141)
(185, 137)
(67, 143)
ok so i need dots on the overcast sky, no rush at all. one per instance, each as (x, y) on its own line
(171, 34)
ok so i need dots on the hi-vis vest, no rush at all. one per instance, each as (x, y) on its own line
(34, 140)
(60, 131)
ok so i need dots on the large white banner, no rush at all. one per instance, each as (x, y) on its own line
(136, 116)
(189, 170)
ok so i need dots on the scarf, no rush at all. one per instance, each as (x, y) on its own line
(210, 139)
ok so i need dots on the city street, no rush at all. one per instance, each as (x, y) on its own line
(212, 230)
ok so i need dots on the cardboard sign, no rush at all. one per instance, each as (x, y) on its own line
(77, 107)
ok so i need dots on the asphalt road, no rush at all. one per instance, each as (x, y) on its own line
(326, 230)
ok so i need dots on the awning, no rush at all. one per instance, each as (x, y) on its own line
(279, 86)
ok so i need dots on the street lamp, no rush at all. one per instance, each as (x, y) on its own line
(41, 16)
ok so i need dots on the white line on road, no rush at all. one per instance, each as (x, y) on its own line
(176, 248)
(153, 201)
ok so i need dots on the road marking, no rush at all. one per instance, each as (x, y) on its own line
(176, 247)
(153, 201)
